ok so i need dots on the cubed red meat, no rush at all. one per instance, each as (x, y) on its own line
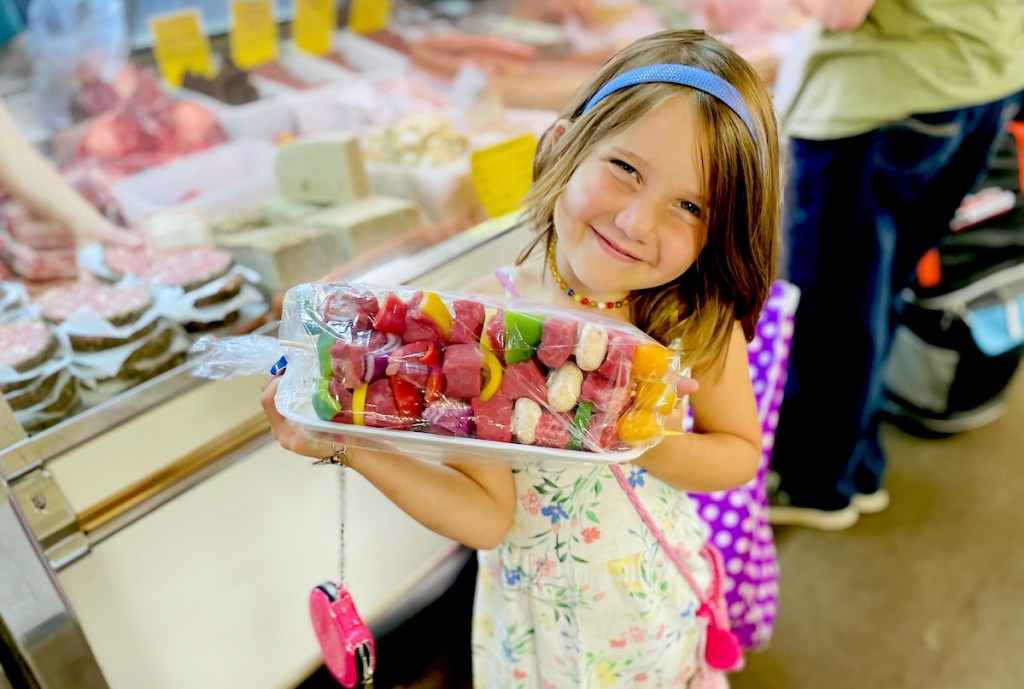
(381, 409)
(557, 341)
(406, 363)
(493, 418)
(467, 322)
(603, 393)
(496, 334)
(348, 357)
(619, 359)
(553, 430)
(602, 432)
(421, 328)
(525, 380)
(345, 304)
(462, 370)
(344, 397)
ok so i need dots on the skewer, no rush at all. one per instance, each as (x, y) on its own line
(293, 344)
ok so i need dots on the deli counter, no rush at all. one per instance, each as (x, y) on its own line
(163, 539)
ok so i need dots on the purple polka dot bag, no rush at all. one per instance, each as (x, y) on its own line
(738, 518)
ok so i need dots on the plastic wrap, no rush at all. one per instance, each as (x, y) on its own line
(448, 377)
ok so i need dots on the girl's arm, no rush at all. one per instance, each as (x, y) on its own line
(469, 503)
(724, 450)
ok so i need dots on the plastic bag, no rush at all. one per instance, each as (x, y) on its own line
(448, 377)
(67, 37)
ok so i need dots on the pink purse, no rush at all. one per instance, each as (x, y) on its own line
(722, 650)
(345, 641)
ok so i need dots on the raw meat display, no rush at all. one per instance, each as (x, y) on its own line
(468, 368)
(142, 128)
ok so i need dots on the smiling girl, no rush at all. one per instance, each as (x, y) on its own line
(656, 201)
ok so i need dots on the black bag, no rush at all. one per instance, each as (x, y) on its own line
(958, 343)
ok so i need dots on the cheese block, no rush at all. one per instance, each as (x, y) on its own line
(322, 170)
(284, 256)
(366, 224)
(280, 210)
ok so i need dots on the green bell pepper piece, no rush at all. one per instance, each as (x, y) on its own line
(324, 342)
(325, 405)
(523, 332)
(579, 425)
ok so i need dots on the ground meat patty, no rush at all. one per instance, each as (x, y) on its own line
(187, 269)
(119, 305)
(25, 344)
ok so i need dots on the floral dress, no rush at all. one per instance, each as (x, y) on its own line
(580, 594)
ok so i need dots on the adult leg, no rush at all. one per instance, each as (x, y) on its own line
(839, 260)
(923, 167)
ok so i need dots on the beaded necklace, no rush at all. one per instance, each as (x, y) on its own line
(579, 298)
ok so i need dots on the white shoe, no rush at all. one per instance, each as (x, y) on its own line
(871, 503)
(824, 520)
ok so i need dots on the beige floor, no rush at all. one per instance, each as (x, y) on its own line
(927, 595)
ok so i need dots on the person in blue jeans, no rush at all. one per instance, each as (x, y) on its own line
(902, 103)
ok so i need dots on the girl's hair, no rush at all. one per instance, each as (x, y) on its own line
(733, 273)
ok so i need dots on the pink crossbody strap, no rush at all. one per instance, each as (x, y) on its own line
(708, 551)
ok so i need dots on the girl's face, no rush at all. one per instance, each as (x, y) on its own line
(633, 215)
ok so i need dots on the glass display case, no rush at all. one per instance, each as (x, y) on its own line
(166, 540)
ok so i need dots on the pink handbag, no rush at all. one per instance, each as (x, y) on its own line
(722, 650)
(345, 641)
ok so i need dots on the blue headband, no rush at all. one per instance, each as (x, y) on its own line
(684, 76)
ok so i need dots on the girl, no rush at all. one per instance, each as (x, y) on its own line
(656, 197)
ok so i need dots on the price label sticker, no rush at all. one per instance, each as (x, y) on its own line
(180, 45)
(313, 24)
(502, 174)
(369, 16)
(253, 33)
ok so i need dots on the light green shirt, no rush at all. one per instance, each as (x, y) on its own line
(909, 57)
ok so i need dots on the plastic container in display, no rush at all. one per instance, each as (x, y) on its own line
(266, 118)
(354, 52)
(234, 177)
(449, 377)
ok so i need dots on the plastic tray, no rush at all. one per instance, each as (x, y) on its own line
(234, 177)
(415, 443)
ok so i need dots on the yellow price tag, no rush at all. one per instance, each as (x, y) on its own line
(502, 174)
(253, 33)
(369, 16)
(180, 45)
(313, 24)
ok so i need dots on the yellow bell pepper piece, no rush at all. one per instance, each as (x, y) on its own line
(435, 310)
(359, 405)
(651, 361)
(655, 396)
(492, 370)
(638, 426)
(485, 342)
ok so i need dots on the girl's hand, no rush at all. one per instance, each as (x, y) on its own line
(288, 435)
